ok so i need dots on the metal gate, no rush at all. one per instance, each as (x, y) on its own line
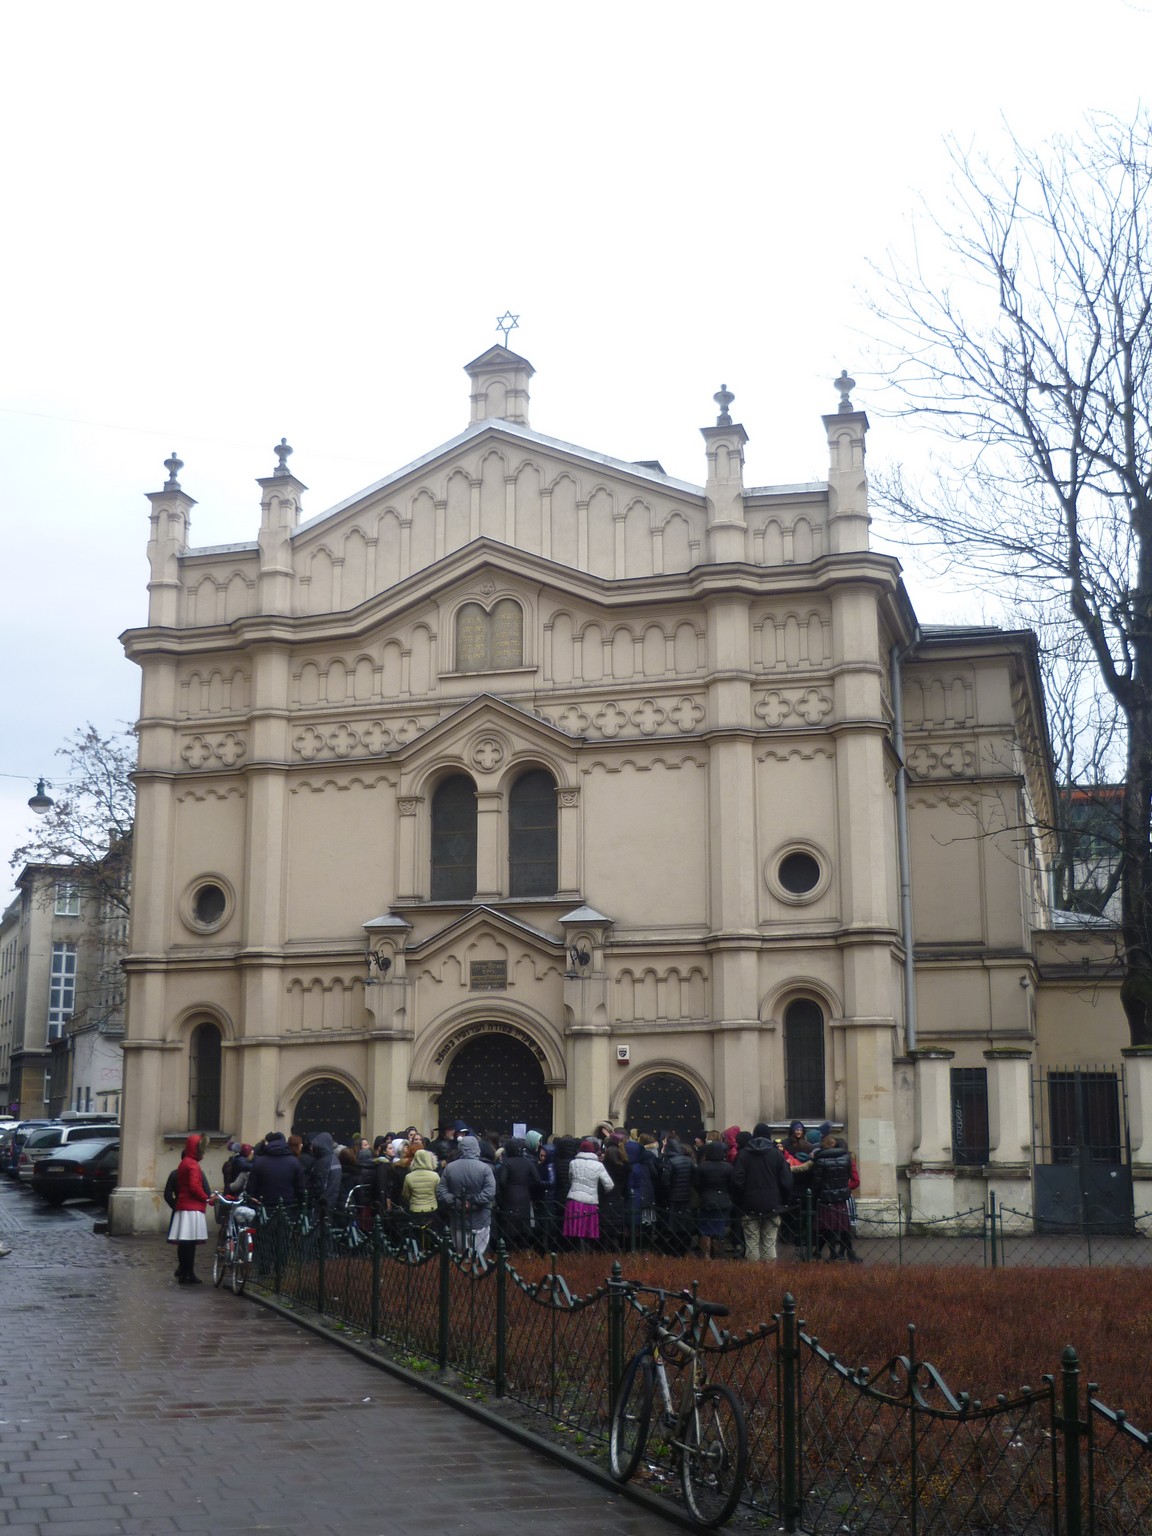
(664, 1103)
(328, 1105)
(1082, 1166)
(493, 1083)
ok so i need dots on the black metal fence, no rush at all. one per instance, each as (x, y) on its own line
(832, 1448)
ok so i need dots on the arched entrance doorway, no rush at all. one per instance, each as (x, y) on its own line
(665, 1102)
(495, 1082)
(327, 1105)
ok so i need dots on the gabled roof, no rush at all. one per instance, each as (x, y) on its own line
(485, 704)
(497, 429)
(479, 915)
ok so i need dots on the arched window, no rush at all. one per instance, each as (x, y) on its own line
(532, 861)
(204, 1079)
(454, 840)
(804, 1059)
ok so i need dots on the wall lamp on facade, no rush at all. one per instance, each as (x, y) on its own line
(41, 802)
(380, 962)
(580, 959)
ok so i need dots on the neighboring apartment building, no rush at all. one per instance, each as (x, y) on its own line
(61, 995)
(534, 786)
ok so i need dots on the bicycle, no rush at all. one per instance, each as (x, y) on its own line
(706, 1432)
(236, 1247)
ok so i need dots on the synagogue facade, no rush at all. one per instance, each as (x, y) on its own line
(531, 786)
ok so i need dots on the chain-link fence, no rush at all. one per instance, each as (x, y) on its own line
(831, 1447)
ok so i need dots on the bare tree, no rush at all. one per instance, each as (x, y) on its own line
(1036, 365)
(89, 827)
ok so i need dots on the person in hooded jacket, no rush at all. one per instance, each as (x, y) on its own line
(712, 1179)
(566, 1148)
(324, 1176)
(518, 1187)
(277, 1176)
(587, 1176)
(676, 1168)
(188, 1228)
(418, 1196)
(468, 1189)
(762, 1181)
(834, 1177)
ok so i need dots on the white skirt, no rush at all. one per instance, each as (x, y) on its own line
(188, 1227)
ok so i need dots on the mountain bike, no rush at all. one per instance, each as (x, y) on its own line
(706, 1431)
(237, 1245)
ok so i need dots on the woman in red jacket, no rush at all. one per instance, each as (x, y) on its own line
(188, 1227)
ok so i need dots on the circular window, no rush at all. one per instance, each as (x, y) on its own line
(798, 873)
(207, 904)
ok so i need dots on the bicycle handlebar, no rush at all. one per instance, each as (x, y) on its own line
(682, 1298)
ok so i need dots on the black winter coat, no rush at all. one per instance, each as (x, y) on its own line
(676, 1170)
(276, 1175)
(518, 1183)
(831, 1175)
(762, 1178)
(713, 1182)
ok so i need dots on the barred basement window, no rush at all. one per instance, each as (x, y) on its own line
(204, 1079)
(454, 840)
(532, 858)
(970, 1147)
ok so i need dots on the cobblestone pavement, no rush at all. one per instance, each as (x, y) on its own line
(129, 1404)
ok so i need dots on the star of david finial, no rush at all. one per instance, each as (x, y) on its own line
(507, 323)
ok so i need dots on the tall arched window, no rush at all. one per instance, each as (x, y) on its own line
(204, 1079)
(454, 840)
(804, 1059)
(532, 859)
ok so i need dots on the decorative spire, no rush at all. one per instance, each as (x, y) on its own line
(282, 451)
(845, 385)
(724, 398)
(173, 466)
(507, 323)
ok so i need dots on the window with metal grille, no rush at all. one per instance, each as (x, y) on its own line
(804, 1059)
(61, 989)
(454, 840)
(970, 1147)
(1084, 1116)
(532, 857)
(204, 1079)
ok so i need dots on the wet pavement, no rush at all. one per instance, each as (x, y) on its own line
(130, 1404)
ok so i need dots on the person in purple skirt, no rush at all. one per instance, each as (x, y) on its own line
(587, 1175)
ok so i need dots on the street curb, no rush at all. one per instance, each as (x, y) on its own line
(525, 1437)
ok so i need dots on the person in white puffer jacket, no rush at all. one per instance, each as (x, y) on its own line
(586, 1176)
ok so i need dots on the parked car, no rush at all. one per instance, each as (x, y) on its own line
(82, 1170)
(53, 1138)
(13, 1144)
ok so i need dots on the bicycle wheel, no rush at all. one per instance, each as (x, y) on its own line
(714, 1461)
(219, 1267)
(242, 1265)
(631, 1417)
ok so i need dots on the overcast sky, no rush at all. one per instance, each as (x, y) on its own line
(226, 224)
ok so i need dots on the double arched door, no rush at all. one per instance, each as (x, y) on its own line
(493, 1083)
(665, 1102)
(328, 1105)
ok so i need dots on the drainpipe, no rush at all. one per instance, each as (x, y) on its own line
(896, 657)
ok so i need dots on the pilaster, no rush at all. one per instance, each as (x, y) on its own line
(279, 517)
(727, 536)
(1138, 1081)
(169, 524)
(1009, 1111)
(848, 518)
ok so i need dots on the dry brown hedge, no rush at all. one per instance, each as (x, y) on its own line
(986, 1331)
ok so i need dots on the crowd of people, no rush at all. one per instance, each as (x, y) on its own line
(724, 1193)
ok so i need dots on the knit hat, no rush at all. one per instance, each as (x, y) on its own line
(245, 1150)
(760, 1129)
(826, 1128)
(797, 1125)
(589, 1145)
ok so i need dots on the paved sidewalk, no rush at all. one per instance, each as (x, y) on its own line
(129, 1404)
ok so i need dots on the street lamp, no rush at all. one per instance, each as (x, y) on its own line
(41, 802)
